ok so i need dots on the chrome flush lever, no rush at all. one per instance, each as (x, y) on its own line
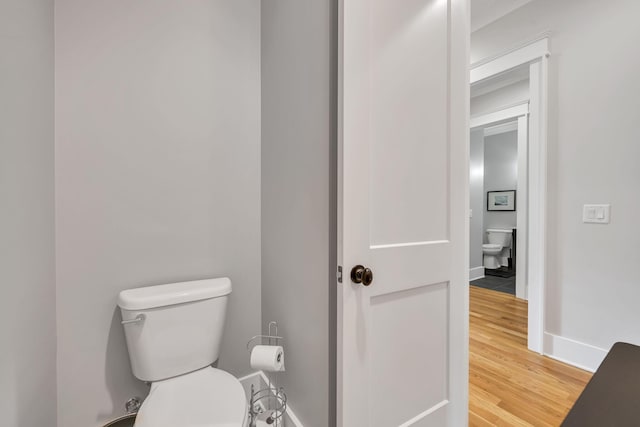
(139, 318)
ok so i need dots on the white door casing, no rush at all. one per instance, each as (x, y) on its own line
(522, 203)
(403, 202)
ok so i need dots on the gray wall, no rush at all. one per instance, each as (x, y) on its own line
(592, 284)
(476, 193)
(157, 178)
(298, 197)
(500, 173)
(27, 262)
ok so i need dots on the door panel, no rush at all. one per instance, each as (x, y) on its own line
(407, 38)
(399, 268)
(403, 198)
(409, 383)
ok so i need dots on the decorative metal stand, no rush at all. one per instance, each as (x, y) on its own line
(268, 404)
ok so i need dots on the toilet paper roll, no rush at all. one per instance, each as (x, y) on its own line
(268, 358)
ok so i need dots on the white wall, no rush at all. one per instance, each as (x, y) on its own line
(27, 262)
(592, 284)
(500, 173)
(157, 180)
(477, 198)
(299, 199)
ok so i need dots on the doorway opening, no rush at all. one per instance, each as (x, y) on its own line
(498, 199)
(508, 124)
(509, 94)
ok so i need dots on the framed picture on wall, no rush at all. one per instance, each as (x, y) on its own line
(501, 200)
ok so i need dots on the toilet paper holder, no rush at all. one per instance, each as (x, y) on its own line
(273, 338)
(270, 401)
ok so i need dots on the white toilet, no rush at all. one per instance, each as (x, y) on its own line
(173, 335)
(498, 240)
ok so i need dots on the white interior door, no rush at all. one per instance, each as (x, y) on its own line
(403, 204)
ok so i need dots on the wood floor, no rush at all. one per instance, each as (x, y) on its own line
(508, 384)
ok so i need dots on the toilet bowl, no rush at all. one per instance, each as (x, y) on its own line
(173, 335)
(498, 240)
(491, 254)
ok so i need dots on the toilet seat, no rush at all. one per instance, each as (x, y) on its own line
(208, 397)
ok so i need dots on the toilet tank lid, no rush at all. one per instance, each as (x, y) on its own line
(173, 293)
(499, 230)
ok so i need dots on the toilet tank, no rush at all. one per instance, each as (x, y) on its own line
(499, 236)
(174, 329)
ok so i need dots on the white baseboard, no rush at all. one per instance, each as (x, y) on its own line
(259, 380)
(476, 273)
(578, 354)
(247, 381)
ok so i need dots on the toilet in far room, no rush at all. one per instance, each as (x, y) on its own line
(498, 240)
(173, 335)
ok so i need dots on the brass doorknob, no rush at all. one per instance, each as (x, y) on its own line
(361, 274)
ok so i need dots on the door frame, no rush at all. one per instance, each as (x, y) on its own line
(517, 114)
(536, 54)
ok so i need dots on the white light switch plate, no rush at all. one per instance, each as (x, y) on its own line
(596, 214)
